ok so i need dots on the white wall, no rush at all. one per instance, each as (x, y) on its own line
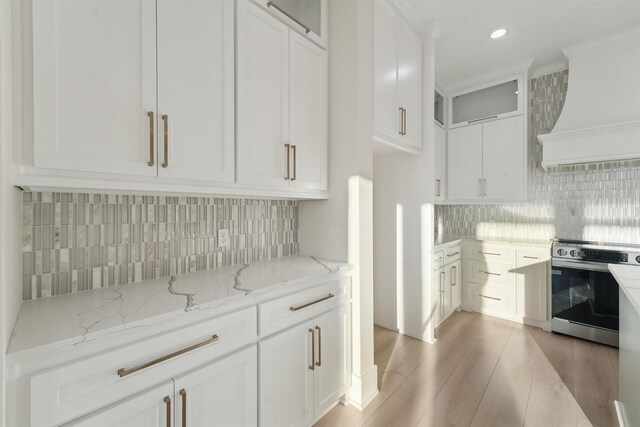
(403, 225)
(10, 201)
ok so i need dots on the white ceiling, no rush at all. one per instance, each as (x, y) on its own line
(538, 29)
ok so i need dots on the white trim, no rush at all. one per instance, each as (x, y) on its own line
(363, 389)
(476, 82)
(620, 413)
(601, 42)
(549, 69)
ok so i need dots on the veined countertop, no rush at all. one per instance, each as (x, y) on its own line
(628, 277)
(446, 240)
(82, 317)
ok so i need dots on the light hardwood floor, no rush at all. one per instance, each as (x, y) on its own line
(485, 371)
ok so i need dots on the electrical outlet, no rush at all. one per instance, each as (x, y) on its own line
(223, 238)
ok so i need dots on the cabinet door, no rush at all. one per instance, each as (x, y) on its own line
(263, 97)
(464, 163)
(196, 89)
(410, 84)
(532, 282)
(455, 280)
(386, 113)
(152, 408)
(503, 158)
(224, 393)
(440, 160)
(309, 124)
(286, 378)
(330, 375)
(94, 82)
(439, 300)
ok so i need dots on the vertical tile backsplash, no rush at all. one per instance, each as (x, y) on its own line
(74, 242)
(599, 202)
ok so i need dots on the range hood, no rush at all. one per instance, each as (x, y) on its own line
(600, 120)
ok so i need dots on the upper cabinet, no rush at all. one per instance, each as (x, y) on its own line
(493, 101)
(487, 162)
(154, 98)
(152, 103)
(307, 17)
(282, 104)
(397, 80)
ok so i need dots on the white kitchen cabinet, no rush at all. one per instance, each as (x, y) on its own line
(154, 98)
(224, 393)
(308, 91)
(464, 163)
(307, 17)
(487, 162)
(303, 370)
(397, 80)
(196, 99)
(151, 408)
(286, 377)
(503, 159)
(440, 164)
(446, 282)
(94, 85)
(282, 104)
(500, 99)
(455, 285)
(532, 281)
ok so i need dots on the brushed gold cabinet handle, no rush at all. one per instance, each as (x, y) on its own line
(165, 119)
(493, 298)
(401, 121)
(313, 350)
(453, 254)
(281, 10)
(482, 118)
(480, 187)
(152, 156)
(300, 307)
(404, 121)
(438, 188)
(484, 187)
(452, 280)
(319, 362)
(122, 372)
(183, 393)
(167, 401)
(490, 274)
(489, 253)
(295, 162)
(530, 257)
(286, 148)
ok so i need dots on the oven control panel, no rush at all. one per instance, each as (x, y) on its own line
(591, 252)
(605, 256)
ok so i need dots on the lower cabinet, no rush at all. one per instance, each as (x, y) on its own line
(223, 393)
(303, 370)
(447, 279)
(532, 278)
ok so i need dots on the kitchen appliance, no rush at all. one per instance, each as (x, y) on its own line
(584, 293)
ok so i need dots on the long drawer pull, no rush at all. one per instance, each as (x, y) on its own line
(493, 298)
(453, 254)
(122, 372)
(152, 141)
(530, 257)
(300, 307)
(167, 401)
(490, 273)
(489, 253)
(284, 12)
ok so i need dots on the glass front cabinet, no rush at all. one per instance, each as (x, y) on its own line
(308, 17)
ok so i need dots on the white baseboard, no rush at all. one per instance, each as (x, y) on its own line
(363, 389)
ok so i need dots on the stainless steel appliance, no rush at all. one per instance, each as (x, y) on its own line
(584, 294)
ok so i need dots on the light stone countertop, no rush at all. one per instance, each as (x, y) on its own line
(446, 240)
(628, 277)
(81, 317)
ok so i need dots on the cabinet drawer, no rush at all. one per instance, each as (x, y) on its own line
(284, 312)
(493, 299)
(69, 391)
(495, 253)
(438, 259)
(493, 273)
(527, 257)
(452, 254)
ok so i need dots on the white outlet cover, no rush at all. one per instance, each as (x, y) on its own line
(223, 238)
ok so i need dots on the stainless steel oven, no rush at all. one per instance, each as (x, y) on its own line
(584, 294)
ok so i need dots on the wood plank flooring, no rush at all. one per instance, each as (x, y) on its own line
(485, 371)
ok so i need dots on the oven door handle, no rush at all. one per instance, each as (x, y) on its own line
(580, 265)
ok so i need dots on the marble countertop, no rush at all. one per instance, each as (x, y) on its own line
(81, 317)
(444, 240)
(628, 277)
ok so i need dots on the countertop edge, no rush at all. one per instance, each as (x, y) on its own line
(617, 274)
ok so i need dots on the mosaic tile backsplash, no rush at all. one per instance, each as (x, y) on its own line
(74, 242)
(599, 202)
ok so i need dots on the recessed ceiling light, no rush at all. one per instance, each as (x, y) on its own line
(498, 33)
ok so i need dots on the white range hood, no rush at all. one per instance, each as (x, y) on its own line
(600, 120)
